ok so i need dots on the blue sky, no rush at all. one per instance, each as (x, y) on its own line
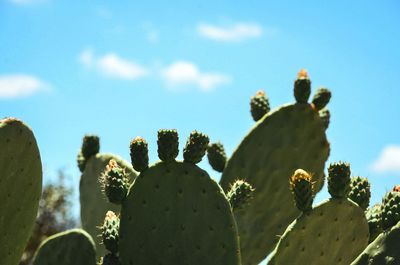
(128, 69)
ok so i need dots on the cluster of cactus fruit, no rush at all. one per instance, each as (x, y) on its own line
(173, 212)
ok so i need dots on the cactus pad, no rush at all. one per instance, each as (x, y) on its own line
(94, 204)
(20, 188)
(176, 214)
(334, 232)
(283, 140)
(71, 247)
(384, 250)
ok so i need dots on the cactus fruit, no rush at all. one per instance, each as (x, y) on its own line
(176, 214)
(360, 192)
(240, 194)
(90, 147)
(216, 156)
(302, 189)
(374, 219)
(290, 137)
(259, 105)
(139, 154)
(168, 145)
(71, 247)
(384, 250)
(109, 232)
(20, 188)
(321, 98)
(333, 232)
(94, 204)
(115, 182)
(390, 209)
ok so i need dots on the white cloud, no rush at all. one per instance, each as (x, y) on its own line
(26, 2)
(186, 73)
(113, 66)
(388, 161)
(234, 33)
(20, 85)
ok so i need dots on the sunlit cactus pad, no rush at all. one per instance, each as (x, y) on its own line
(20, 188)
(333, 233)
(73, 247)
(288, 138)
(175, 214)
(94, 205)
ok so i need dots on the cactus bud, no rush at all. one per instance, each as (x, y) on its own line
(302, 189)
(360, 192)
(168, 145)
(109, 232)
(90, 145)
(259, 105)
(115, 182)
(302, 87)
(321, 98)
(240, 194)
(139, 154)
(195, 147)
(216, 156)
(339, 179)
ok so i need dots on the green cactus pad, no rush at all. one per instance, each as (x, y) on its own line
(94, 204)
(176, 214)
(73, 247)
(20, 188)
(333, 233)
(384, 250)
(288, 138)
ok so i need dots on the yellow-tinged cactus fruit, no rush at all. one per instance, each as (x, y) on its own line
(302, 187)
(115, 182)
(302, 87)
(110, 232)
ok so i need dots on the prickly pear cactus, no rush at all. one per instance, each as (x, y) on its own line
(384, 250)
(174, 212)
(73, 247)
(374, 218)
(333, 232)
(360, 192)
(94, 205)
(283, 140)
(20, 188)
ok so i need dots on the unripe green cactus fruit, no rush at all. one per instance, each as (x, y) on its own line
(176, 214)
(20, 188)
(110, 232)
(139, 154)
(240, 194)
(285, 139)
(115, 182)
(374, 219)
(390, 209)
(360, 192)
(321, 98)
(196, 147)
(168, 145)
(259, 105)
(216, 156)
(94, 205)
(339, 179)
(384, 250)
(333, 232)
(73, 247)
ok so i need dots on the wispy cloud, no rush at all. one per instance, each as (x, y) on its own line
(233, 33)
(388, 160)
(20, 85)
(113, 66)
(26, 2)
(186, 73)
